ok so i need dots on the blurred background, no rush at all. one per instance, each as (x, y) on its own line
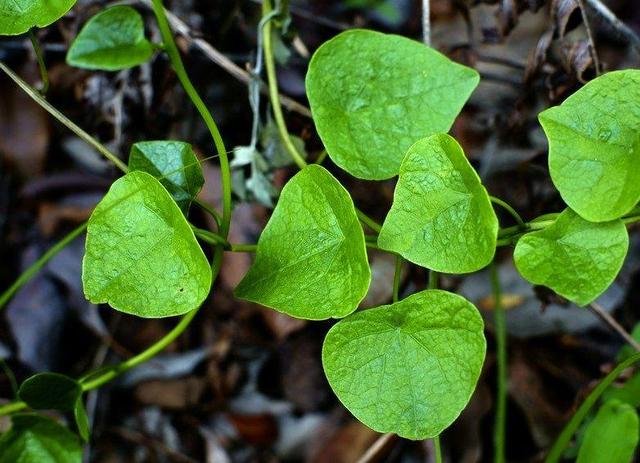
(245, 383)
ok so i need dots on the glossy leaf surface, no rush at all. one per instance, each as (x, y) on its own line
(311, 260)
(373, 95)
(408, 368)
(141, 255)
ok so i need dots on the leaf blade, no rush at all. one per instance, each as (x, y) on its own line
(357, 103)
(441, 217)
(410, 367)
(314, 226)
(576, 258)
(18, 17)
(141, 255)
(112, 40)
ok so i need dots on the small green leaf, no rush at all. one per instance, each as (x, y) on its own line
(111, 40)
(575, 258)
(311, 260)
(173, 163)
(18, 16)
(410, 367)
(82, 420)
(594, 146)
(441, 217)
(373, 95)
(141, 254)
(50, 391)
(36, 439)
(629, 392)
(612, 436)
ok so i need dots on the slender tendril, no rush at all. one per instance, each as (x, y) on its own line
(433, 280)
(555, 454)
(44, 74)
(368, 221)
(272, 79)
(397, 276)
(176, 62)
(436, 446)
(521, 223)
(37, 265)
(63, 119)
(501, 353)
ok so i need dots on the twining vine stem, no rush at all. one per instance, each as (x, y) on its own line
(499, 436)
(44, 74)
(555, 454)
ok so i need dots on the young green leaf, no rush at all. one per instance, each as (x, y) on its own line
(111, 40)
(612, 436)
(441, 217)
(18, 16)
(311, 260)
(141, 254)
(629, 392)
(576, 258)
(50, 391)
(373, 95)
(410, 367)
(173, 163)
(36, 439)
(594, 147)
(82, 420)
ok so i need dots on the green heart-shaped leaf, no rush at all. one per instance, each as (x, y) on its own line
(612, 436)
(36, 439)
(373, 95)
(594, 146)
(18, 16)
(141, 254)
(441, 217)
(311, 260)
(576, 258)
(408, 368)
(111, 40)
(50, 391)
(173, 163)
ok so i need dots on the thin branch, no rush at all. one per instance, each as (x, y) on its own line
(377, 448)
(592, 42)
(426, 23)
(225, 63)
(621, 28)
(599, 311)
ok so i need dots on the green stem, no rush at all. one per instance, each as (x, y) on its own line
(436, 446)
(44, 75)
(210, 237)
(142, 356)
(433, 280)
(272, 81)
(321, 157)
(38, 264)
(501, 355)
(176, 62)
(555, 454)
(210, 210)
(368, 221)
(64, 120)
(12, 407)
(521, 223)
(396, 278)
(244, 247)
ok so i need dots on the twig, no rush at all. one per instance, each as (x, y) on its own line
(620, 27)
(426, 23)
(609, 320)
(592, 43)
(225, 63)
(377, 447)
